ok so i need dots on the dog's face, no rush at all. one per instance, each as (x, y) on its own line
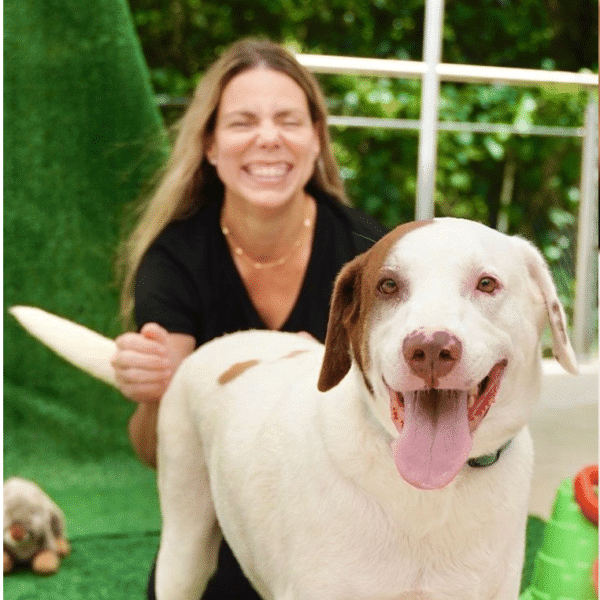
(443, 318)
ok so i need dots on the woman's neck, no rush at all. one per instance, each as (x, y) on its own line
(267, 234)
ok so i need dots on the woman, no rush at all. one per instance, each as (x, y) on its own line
(247, 229)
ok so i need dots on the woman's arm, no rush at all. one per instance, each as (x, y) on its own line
(144, 366)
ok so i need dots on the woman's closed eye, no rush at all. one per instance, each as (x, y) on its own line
(291, 118)
(289, 122)
(240, 124)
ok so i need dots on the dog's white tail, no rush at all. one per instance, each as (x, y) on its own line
(79, 345)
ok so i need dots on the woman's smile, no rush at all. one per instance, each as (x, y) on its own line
(268, 172)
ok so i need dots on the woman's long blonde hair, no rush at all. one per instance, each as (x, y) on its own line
(189, 181)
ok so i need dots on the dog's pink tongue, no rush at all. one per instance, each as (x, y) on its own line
(435, 440)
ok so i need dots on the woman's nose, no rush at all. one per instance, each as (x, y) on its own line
(268, 133)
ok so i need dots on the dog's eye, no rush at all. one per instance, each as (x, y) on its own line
(488, 285)
(387, 286)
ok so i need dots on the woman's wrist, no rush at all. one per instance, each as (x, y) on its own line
(142, 432)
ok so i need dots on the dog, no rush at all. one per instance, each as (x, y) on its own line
(392, 462)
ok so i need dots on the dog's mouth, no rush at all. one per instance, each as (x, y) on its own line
(436, 428)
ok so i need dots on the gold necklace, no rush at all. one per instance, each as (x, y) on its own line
(238, 251)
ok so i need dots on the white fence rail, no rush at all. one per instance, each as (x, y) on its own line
(409, 69)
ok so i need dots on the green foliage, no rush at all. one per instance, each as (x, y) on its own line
(181, 37)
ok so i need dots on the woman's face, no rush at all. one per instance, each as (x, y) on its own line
(264, 145)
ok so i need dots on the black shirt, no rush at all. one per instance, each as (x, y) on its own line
(188, 283)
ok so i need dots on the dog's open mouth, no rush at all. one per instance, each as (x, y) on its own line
(436, 428)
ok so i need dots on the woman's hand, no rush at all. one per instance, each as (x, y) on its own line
(145, 362)
(142, 363)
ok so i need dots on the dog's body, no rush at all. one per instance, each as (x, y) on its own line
(436, 325)
(306, 492)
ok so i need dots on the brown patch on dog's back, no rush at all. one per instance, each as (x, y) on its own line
(236, 370)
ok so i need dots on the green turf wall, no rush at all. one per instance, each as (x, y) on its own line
(81, 136)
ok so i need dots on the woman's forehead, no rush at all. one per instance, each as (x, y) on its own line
(261, 88)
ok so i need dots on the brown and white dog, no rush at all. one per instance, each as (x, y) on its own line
(406, 473)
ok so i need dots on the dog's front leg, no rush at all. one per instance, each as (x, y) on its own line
(509, 589)
(190, 535)
(510, 578)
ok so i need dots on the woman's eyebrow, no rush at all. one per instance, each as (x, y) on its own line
(286, 112)
(239, 113)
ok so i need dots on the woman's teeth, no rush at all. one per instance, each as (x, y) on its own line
(268, 171)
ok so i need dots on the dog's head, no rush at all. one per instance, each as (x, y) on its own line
(442, 320)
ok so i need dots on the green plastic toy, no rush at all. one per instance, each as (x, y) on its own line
(566, 566)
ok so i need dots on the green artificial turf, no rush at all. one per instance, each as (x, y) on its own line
(81, 135)
(109, 501)
(100, 568)
(114, 568)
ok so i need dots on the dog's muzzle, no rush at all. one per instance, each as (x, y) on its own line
(436, 428)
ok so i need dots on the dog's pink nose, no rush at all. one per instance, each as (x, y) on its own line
(431, 355)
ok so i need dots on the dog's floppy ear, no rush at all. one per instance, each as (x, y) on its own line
(344, 311)
(540, 274)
